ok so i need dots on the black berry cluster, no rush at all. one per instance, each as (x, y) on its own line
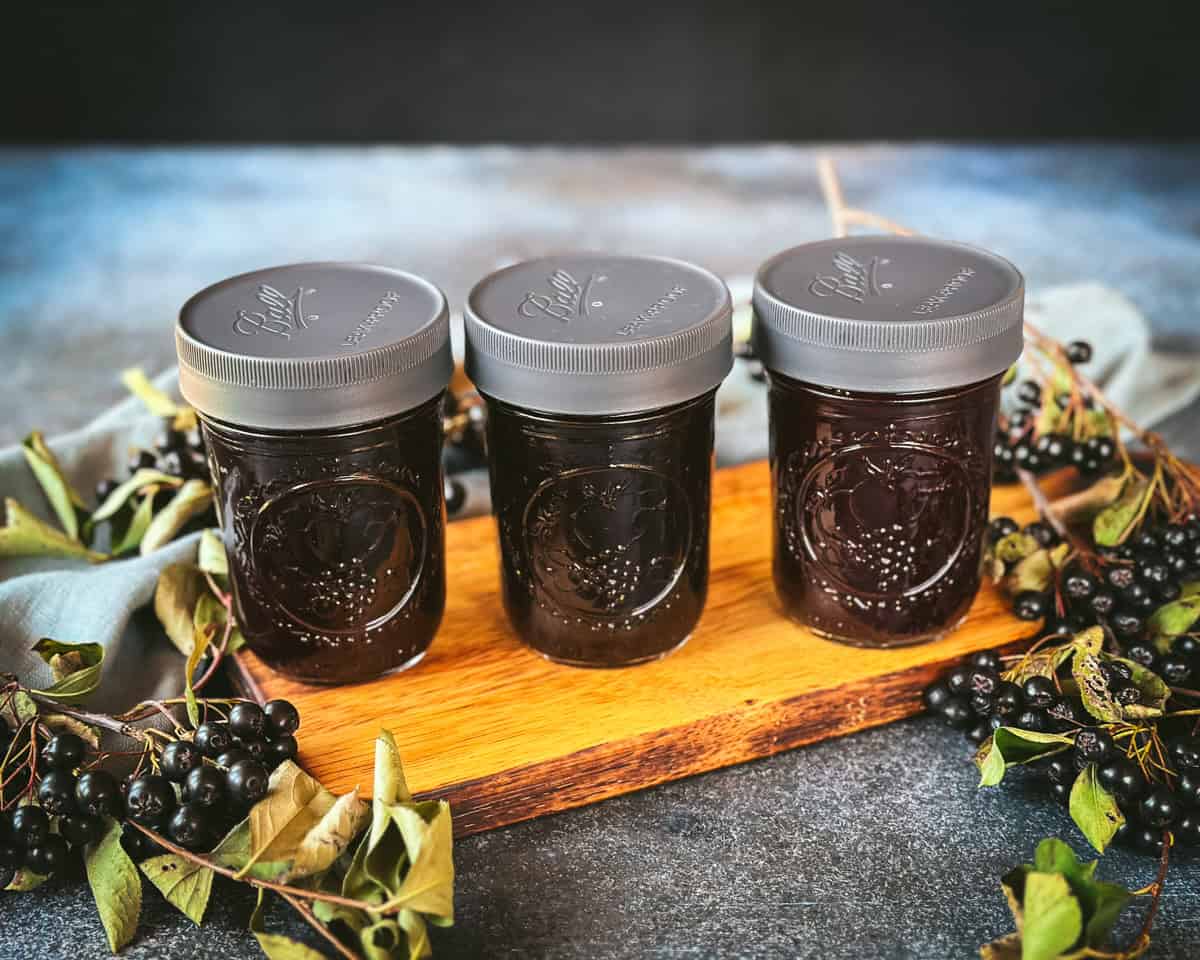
(1017, 446)
(207, 784)
(977, 699)
(196, 790)
(1127, 586)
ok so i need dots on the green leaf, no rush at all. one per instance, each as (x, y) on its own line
(211, 612)
(1098, 699)
(381, 940)
(142, 480)
(331, 913)
(199, 645)
(1036, 571)
(1103, 903)
(1086, 503)
(24, 535)
(212, 558)
(1010, 746)
(179, 588)
(79, 683)
(137, 528)
(157, 402)
(387, 860)
(233, 852)
(326, 840)
(301, 823)
(64, 500)
(1154, 690)
(25, 880)
(190, 500)
(275, 945)
(390, 783)
(413, 925)
(18, 708)
(1054, 856)
(358, 884)
(1053, 917)
(185, 884)
(1115, 522)
(1094, 809)
(1043, 663)
(116, 885)
(428, 886)
(1015, 546)
(1172, 619)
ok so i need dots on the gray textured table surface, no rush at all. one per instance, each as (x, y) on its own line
(875, 846)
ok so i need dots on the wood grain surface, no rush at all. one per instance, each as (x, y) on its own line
(505, 735)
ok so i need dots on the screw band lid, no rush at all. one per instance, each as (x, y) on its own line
(888, 314)
(313, 346)
(595, 334)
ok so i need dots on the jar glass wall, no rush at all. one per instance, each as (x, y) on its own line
(336, 542)
(320, 389)
(885, 356)
(603, 525)
(599, 373)
(880, 507)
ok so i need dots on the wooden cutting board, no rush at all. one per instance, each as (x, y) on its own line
(504, 735)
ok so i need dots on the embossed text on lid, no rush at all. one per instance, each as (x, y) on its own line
(888, 314)
(597, 334)
(313, 345)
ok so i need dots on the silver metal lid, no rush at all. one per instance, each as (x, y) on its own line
(888, 314)
(595, 334)
(312, 346)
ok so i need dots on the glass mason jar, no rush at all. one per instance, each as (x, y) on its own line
(885, 357)
(319, 389)
(599, 373)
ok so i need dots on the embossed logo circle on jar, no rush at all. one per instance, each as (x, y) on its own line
(610, 541)
(885, 521)
(340, 556)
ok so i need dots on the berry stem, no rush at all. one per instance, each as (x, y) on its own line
(280, 888)
(310, 918)
(102, 720)
(1142, 943)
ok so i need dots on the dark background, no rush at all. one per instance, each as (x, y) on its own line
(345, 71)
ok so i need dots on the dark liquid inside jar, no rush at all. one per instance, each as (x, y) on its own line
(881, 503)
(603, 525)
(335, 541)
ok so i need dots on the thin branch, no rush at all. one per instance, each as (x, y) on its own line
(311, 919)
(93, 719)
(831, 189)
(864, 218)
(1142, 943)
(280, 888)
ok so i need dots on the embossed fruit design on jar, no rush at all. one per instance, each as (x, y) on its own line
(884, 357)
(319, 389)
(599, 374)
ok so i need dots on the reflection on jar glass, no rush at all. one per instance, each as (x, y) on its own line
(320, 389)
(599, 374)
(885, 357)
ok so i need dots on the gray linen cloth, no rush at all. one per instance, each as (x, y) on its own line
(72, 601)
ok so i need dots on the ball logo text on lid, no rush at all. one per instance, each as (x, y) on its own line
(281, 315)
(853, 280)
(568, 298)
